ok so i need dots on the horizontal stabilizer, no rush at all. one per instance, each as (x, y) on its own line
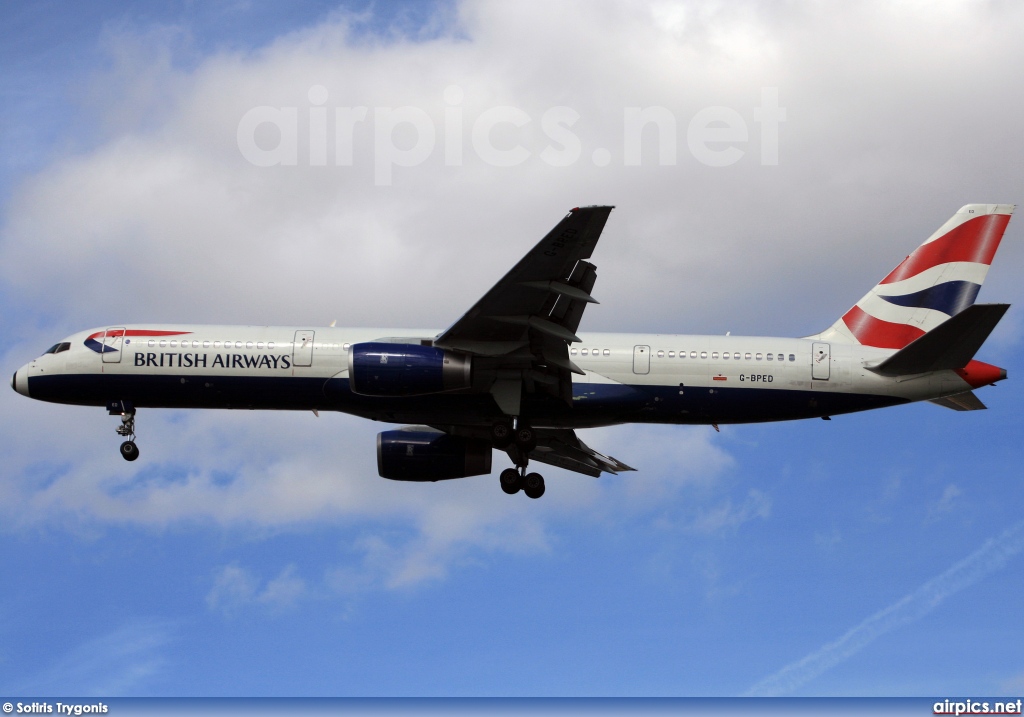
(965, 401)
(950, 345)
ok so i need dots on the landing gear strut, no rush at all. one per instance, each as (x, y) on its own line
(129, 451)
(516, 479)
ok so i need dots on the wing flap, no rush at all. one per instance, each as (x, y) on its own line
(563, 449)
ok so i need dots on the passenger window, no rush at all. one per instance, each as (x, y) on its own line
(238, 344)
(661, 354)
(781, 357)
(344, 346)
(163, 343)
(206, 344)
(725, 355)
(671, 354)
(704, 354)
(259, 344)
(758, 357)
(714, 355)
(248, 344)
(174, 344)
(583, 352)
(747, 355)
(792, 357)
(216, 344)
(607, 352)
(152, 343)
(693, 354)
(769, 357)
(736, 355)
(573, 351)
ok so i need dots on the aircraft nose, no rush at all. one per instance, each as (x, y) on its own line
(19, 381)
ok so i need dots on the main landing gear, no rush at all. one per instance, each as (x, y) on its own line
(517, 479)
(129, 451)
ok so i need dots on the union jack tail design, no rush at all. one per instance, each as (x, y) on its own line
(940, 279)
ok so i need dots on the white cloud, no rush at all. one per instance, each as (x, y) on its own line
(125, 661)
(726, 515)
(235, 588)
(232, 588)
(169, 208)
(946, 502)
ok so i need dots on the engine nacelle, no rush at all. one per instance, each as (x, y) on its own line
(382, 369)
(414, 455)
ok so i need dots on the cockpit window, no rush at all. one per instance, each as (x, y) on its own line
(57, 348)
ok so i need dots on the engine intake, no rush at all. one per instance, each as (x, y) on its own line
(383, 369)
(424, 455)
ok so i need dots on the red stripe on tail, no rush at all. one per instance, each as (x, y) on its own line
(975, 240)
(875, 332)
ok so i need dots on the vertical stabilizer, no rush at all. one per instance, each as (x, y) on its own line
(940, 279)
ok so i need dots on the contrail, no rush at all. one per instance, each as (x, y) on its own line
(987, 559)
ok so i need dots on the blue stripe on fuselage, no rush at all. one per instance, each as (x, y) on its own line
(593, 404)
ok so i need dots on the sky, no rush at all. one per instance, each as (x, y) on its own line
(211, 163)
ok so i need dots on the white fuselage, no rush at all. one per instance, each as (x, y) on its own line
(660, 378)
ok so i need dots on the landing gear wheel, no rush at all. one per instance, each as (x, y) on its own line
(510, 481)
(526, 439)
(129, 451)
(533, 485)
(501, 434)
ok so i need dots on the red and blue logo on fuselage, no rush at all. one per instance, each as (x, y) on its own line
(126, 334)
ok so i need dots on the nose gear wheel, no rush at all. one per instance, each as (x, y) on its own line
(129, 451)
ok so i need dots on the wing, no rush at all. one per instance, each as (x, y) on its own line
(561, 448)
(521, 329)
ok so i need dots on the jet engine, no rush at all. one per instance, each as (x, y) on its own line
(426, 455)
(383, 369)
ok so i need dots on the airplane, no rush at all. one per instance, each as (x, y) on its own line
(515, 374)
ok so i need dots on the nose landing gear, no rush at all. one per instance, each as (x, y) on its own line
(129, 451)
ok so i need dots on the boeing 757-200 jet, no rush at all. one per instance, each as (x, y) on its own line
(516, 374)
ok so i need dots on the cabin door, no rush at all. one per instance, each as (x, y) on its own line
(642, 359)
(820, 360)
